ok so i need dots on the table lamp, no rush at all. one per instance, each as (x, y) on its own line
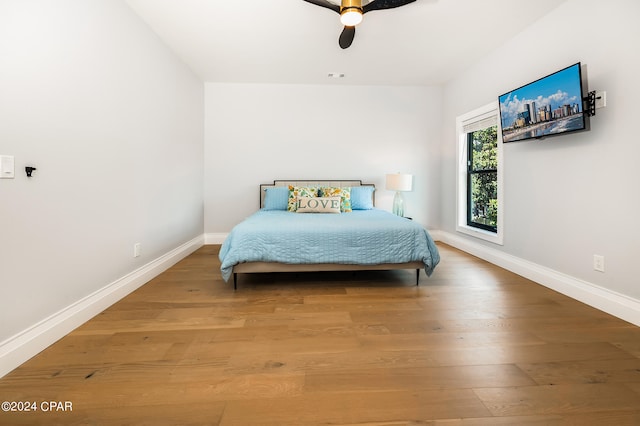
(399, 183)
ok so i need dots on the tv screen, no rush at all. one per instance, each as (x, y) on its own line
(549, 106)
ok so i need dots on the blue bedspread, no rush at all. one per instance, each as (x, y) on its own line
(364, 237)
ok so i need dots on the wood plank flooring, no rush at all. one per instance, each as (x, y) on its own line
(472, 345)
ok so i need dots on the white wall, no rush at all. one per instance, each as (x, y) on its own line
(258, 133)
(113, 122)
(568, 197)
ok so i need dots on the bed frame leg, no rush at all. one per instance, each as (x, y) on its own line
(417, 276)
(235, 280)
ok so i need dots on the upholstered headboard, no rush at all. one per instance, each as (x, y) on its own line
(304, 182)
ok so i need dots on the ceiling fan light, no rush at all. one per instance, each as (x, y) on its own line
(351, 17)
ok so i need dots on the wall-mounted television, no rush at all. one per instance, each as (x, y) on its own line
(548, 106)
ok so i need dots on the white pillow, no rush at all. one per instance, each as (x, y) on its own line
(318, 205)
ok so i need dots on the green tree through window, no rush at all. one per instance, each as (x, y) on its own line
(482, 178)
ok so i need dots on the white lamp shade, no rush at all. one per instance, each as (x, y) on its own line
(399, 182)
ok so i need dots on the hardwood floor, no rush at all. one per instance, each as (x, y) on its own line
(472, 345)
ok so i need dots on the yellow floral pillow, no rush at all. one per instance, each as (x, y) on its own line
(299, 191)
(343, 193)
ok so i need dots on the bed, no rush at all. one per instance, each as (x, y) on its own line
(360, 237)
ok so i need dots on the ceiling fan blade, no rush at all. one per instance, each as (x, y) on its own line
(384, 4)
(325, 3)
(346, 37)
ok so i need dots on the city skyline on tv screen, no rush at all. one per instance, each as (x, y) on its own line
(548, 106)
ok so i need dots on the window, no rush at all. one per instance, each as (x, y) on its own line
(482, 178)
(479, 174)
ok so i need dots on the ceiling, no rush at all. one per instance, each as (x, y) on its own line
(291, 41)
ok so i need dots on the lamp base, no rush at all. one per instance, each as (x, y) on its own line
(398, 204)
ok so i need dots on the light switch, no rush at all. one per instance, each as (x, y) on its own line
(7, 167)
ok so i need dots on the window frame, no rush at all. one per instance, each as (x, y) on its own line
(478, 115)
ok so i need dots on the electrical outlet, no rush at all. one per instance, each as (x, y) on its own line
(136, 250)
(598, 263)
(601, 99)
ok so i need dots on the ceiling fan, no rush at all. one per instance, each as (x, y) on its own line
(351, 12)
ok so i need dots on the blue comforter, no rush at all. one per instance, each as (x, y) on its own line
(364, 237)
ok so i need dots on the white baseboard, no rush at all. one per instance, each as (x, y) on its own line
(215, 238)
(611, 302)
(24, 345)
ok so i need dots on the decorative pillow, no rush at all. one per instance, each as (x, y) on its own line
(318, 205)
(362, 197)
(276, 198)
(343, 193)
(299, 191)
